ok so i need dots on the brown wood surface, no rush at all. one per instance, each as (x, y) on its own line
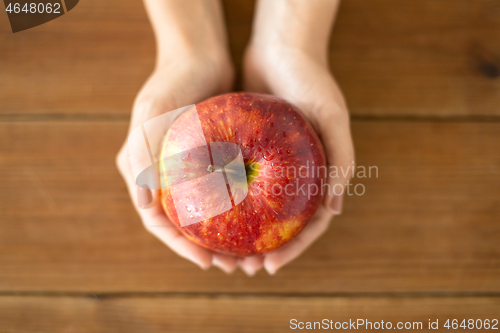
(229, 314)
(429, 222)
(432, 58)
(422, 79)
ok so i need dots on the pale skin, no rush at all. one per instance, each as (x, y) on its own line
(286, 57)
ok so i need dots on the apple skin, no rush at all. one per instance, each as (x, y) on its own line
(273, 136)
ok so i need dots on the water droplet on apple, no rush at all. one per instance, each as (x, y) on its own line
(268, 156)
(191, 216)
(196, 209)
(279, 151)
(188, 209)
(288, 151)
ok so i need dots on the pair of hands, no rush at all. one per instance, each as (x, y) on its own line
(294, 71)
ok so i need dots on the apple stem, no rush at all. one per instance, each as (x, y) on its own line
(212, 168)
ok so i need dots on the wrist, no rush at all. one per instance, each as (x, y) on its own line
(210, 67)
(294, 25)
(189, 30)
(268, 57)
(274, 39)
(191, 52)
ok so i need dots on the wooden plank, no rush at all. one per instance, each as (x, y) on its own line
(431, 58)
(92, 60)
(230, 314)
(428, 223)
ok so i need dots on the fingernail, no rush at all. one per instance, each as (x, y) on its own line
(229, 271)
(271, 271)
(225, 268)
(144, 197)
(250, 273)
(203, 265)
(336, 204)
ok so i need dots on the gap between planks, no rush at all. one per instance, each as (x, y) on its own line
(6, 118)
(376, 295)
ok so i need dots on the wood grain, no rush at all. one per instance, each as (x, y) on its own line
(428, 223)
(92, 60)
(431, 58)
(422, 243)
(228, 314)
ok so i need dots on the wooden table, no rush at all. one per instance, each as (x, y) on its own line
(422, 79)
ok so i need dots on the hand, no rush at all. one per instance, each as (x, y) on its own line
(188, 70)
(289, 60)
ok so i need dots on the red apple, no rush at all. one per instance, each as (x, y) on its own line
(242, 173)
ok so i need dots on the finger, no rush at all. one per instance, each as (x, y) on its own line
(146, 198)
(277, 259)
(141, 197)
(225, 262)
(251, 265)
(157, 223)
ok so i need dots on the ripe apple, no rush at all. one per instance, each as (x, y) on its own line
(242, 173)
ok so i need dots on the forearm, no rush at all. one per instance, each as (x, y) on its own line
(302, 24)
(187, 27)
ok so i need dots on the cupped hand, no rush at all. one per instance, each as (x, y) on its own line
(303, 79)
(178, 82)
